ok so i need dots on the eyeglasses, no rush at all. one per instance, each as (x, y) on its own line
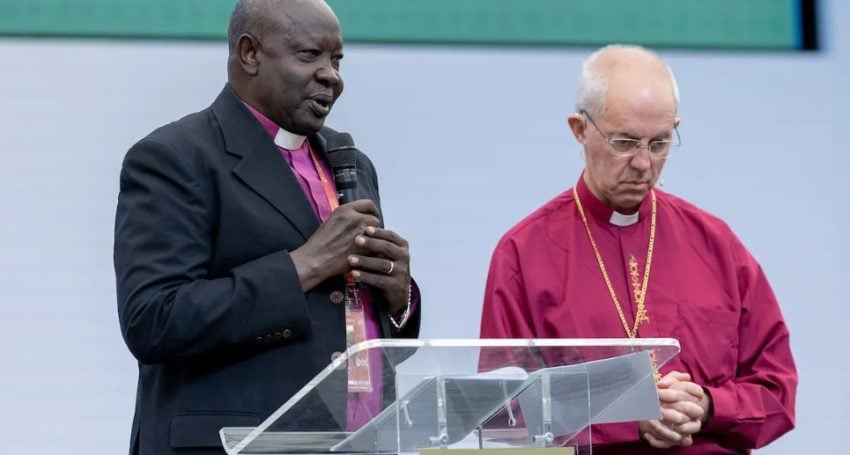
(623, 146)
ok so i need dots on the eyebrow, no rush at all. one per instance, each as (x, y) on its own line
(658, 137)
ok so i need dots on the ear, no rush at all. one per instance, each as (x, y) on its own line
(247, 48)
(677, 122)
(578, 125)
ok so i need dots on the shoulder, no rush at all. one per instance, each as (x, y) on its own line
(187, 140)
(703, 229)
(181, 151)
(692, 215)
(195, 128)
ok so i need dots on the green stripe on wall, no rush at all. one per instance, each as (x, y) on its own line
(766, 24)
(201, 19)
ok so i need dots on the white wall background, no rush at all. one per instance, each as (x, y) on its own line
(467, 141)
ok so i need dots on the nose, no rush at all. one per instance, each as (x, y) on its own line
(328, 75)
(641, 159)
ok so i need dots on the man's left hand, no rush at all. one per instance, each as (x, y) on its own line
(684, 408)
(383, 262)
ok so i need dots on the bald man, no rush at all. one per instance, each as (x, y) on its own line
(615, 257)
(231, 249)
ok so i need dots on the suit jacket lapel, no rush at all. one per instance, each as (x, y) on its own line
(262, 168)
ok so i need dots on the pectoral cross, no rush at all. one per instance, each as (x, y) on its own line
(641, 316)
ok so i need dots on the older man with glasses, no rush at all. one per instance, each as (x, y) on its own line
(615, 257)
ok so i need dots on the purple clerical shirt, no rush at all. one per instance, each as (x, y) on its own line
(706, 290)
(362, 407)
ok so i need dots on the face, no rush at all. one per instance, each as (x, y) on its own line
(645, 114)
(297, 80)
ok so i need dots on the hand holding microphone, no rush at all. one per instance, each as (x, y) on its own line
(327, 252)
(382, 257)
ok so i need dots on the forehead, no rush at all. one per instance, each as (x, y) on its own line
(640, 106)
(305, 22)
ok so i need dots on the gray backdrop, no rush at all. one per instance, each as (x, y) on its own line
(765, 148)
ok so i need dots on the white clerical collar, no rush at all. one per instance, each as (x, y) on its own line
(618, 219)
(287, 140)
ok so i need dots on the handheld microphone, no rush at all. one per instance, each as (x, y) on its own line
(342, 157)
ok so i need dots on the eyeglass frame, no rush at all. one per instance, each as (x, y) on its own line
(637, 144)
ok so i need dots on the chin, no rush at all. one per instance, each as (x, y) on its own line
(306, 129)
(626, 210)
(630, 204)
(314, 124)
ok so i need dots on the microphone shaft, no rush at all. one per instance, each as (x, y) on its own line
(346, 184)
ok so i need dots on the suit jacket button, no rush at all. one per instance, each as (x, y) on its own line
(337, 297)
(286, 333)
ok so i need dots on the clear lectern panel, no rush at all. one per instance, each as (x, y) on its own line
(404, 396)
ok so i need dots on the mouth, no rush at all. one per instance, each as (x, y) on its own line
(321, 104)
(635, 184)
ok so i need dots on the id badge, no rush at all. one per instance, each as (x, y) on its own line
(359, 379)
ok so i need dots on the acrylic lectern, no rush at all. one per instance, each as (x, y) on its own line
(425, 395)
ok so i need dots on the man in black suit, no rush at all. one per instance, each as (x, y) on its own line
(229, 263)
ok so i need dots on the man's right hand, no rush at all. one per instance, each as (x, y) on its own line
(681, 410)
(326, 252)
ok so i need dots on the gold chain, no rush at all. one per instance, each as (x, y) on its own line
(640, 296)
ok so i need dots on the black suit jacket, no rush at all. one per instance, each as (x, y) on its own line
(208, 297)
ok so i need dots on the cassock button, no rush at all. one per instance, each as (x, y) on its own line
(286, 333)
(276, 336)
(337, 297)
(258, 340)
(267, 339)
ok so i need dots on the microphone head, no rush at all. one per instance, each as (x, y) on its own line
(341, 151)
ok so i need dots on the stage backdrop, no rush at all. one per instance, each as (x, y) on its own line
(467, 140)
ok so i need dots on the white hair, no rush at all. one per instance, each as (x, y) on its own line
(593, 86)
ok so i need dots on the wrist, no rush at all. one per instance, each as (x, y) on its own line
(308, 269)
(402, 315)
(707, 406)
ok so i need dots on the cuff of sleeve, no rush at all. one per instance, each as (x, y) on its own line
(399, 323)
(724, 409)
